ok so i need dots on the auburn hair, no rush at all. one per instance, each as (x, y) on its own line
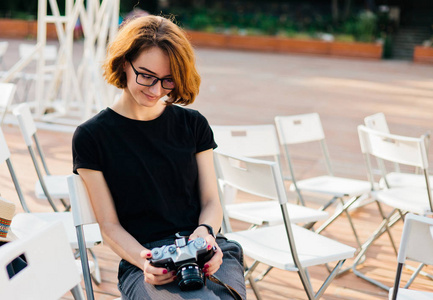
(143, 33)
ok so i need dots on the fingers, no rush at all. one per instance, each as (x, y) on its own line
(146, 253)
(214, 263)
(201, 231)
(157, 276)
(154, 275)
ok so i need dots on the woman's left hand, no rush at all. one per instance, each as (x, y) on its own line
(211, 266)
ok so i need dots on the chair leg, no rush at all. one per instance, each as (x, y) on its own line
(338, 213)
(397, 281)
(77, 292)
(263, 274)
(385, 225)
(66, 205)
(329, 279)
(96, 274)
(250, 279)
(417, 270)
(84, 263)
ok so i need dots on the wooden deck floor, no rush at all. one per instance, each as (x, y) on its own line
(252, 88)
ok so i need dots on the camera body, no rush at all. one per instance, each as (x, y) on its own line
(187, 258)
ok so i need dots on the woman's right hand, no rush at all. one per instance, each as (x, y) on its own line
(154, 275)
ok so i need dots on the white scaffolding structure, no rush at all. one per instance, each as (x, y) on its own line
(75, 93)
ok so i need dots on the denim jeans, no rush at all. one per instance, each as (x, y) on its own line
(132, 286)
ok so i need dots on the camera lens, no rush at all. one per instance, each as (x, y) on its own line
(190, 277)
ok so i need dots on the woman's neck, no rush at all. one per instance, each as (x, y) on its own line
(131, 110)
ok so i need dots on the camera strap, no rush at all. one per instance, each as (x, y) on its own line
(231, 290)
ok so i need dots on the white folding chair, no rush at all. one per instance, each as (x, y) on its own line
(259, 141)
(50, 271)
(307, 128)
(7, 92)
(50, 187)
(403, 150)
(416, 245)
(26, 223)
(84, 216)
(395, 177)
(285, 246)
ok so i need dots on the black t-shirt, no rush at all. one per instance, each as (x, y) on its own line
(150, 167)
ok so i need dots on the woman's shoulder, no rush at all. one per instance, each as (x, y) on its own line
(95, 123)
(186, 112)
(102, 117)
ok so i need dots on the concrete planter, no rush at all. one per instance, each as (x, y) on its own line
(12, 28)
(20, 29)
(285, 45)
(423, 54)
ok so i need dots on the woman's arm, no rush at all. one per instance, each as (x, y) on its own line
(125, 245)
(211, 211)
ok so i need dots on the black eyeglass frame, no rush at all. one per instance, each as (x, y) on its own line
(154, 82)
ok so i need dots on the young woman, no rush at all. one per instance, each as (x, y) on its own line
(148, 164)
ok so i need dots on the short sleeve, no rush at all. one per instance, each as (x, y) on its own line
(204, 135)
(85, 151)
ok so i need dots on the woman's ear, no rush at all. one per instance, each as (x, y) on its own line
(125, 62)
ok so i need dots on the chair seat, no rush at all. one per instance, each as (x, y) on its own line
(270, 246)
(335, 186)
(408, 199)
(25, 224)
(396, 179)
(406, 294)
(269, 212)
(57, 187)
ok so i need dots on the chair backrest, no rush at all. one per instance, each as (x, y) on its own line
(416, 244)
(51, 270)
(394, 148)
(25, 121)
(299, 129)
(82, 213)
(82, 210)
(417, 240)
(377, 122)
(28, 130)
(397, 149)
(247, 140)
(256, 177)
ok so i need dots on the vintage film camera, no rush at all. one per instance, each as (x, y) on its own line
(185, 257)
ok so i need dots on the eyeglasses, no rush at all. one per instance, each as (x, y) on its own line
(150, 80)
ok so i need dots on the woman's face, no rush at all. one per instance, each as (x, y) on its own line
(150, 65)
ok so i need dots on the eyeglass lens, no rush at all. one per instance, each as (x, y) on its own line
(150, 80)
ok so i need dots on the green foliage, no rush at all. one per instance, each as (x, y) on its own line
(366, 27)
(252, 21)
(345, 37)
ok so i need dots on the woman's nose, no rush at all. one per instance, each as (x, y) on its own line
(156, 89)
